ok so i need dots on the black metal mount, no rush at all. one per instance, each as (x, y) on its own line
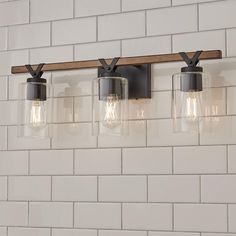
(191, 77)
(138, 76)
(36, 87)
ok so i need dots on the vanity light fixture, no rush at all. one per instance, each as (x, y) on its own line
(34, 105)
(119, 79)
(190, 95)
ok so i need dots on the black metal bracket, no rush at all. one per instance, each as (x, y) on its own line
(191, 62)
(35, 73)
(139, 77)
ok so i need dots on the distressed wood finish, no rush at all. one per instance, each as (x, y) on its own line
(75, 65)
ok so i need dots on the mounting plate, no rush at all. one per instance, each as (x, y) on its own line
(139, 77)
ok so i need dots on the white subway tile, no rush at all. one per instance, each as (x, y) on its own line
(17, 143)
(3, 231)
(173, 234)
(76, 135)
(93, 51)
(217, 234)
(121, 26)
(12, 58)
(122, 189)
(136, 137)
(3, 189)
(211, 40)
(200, 160)
(231, 48)
(63, 110)
(29, 188)
(218, 189)
(14, 12)
(173, 188)
(130, 5)
(221, 131)
(29, 36)
(53, 162)
(74, 232)
(3, 138)
(13, 213)
(79, 188)
(83, 7)
(83, 109)
(146, 46)
(147, 161)
(74, 31)
(160, 133)
(18, 231)
(175, 20)
(232, 159)
(97, 161)
(51, 214)
(182, 2)
(143, 216)
(3, 88)
(200, 217)
(121, 233)
(9, 116)
(159, 106)
(51, 54)
(13, 163)
(98, 215)
(232, 218)
(3, 38)
(46, 10)
(209, 15)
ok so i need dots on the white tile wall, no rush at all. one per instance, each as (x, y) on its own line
(50, 214)
(173, 188)
(98, 215)
(122, 189)
(97, 161)
(174, 18)
(29, 36)
(45, 10)
(17, 231)
(119, 26)
(151, 183)
(203, 217)
(150, 216)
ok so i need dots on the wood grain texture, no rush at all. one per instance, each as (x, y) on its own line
(151, 59)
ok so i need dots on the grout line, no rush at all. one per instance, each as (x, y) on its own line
(226, 43)
(227, 159)
(227, 217)
(200, 189)
(121, 208)
(97, 29)
(173, 216)
(146, 24)
(121, 163)
(198, 18)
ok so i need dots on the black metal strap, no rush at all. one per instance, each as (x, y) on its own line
(191, 62)
(35, 73)
(111, 67)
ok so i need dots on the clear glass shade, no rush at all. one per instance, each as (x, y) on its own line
(191, 100)
(110, 106)
(34, 114)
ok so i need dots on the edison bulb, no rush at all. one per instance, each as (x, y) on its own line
(191, 105)
(111, 111)
(37, 117)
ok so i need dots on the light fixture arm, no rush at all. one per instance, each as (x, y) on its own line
(191, 62)
(36, 74)
(109, 69)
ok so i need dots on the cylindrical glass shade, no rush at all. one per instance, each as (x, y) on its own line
(191, 100)
(34, 110)
(110, 106)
